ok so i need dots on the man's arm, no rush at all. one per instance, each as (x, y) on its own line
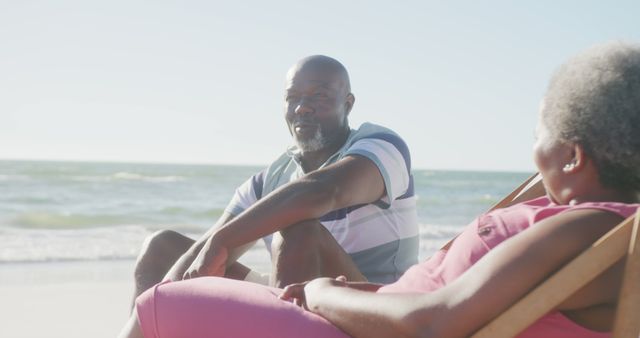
(182, 264)
(351, 181)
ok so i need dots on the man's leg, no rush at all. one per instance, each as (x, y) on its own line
(307, 250)
(160, 252)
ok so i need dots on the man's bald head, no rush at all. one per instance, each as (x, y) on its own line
(324, 64)
(318, 100)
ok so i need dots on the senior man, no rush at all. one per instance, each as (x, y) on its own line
(340, 201)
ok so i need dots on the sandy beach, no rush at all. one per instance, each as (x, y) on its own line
(66, 299)
(72, 299)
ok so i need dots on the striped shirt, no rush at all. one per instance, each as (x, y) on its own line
(381, 237)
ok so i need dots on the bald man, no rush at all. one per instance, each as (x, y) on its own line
(340, 201)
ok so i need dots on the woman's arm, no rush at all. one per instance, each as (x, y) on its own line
(497, 281)
(362, 313)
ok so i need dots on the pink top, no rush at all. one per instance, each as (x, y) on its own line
(485, 233)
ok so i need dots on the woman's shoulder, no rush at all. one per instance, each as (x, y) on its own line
(622, 209)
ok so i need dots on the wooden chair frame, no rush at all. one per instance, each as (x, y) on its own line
(622, 242)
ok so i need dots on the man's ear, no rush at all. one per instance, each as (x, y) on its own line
(578, 159)
(349, 102)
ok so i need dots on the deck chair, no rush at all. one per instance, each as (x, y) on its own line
(529, 189)
(622, 242)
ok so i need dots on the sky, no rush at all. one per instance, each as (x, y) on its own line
(202, 81)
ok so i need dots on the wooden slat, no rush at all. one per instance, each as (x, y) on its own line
(529, 189)
(577, 273)
(627, 322)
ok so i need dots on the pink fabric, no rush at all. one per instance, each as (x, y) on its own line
(216, 307)
(482, 235)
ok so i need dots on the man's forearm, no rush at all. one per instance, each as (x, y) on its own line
(289, 205)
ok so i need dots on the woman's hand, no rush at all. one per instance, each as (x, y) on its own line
(297, 292)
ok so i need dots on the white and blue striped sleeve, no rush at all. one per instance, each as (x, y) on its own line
(246, 194)
(391, 155)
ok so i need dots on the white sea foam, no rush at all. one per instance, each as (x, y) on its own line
(20, 245)
(433, 237)
(139, 177)
(126, 176)
(92, 178)
(124, 242)
(14, 178)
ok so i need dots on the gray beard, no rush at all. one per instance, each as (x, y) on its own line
(317, 142)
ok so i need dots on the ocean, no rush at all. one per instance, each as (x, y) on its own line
(81, 211)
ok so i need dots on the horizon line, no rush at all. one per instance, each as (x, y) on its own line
(186, 163)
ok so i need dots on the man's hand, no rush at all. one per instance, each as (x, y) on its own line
(211, 261)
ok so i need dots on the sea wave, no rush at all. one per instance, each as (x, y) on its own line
(49, 220)
(58, 220)
(128, 176)
(14, 178)
(210, 215)
(32, 200)
(20, 245)
(139, 177)
(106, 243)
(433, 237)
(124, 242)
(466, 200)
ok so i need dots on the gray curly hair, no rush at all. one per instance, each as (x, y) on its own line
(594, 100)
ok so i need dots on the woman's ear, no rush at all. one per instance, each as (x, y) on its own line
(578, 159)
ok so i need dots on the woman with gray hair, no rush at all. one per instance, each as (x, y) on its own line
(588, 152)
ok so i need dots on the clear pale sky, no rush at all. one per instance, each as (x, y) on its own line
(202, 81)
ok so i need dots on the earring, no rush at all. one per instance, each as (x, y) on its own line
(568, 167)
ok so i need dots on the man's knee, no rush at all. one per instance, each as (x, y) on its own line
(163, 246)
(300, 240)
